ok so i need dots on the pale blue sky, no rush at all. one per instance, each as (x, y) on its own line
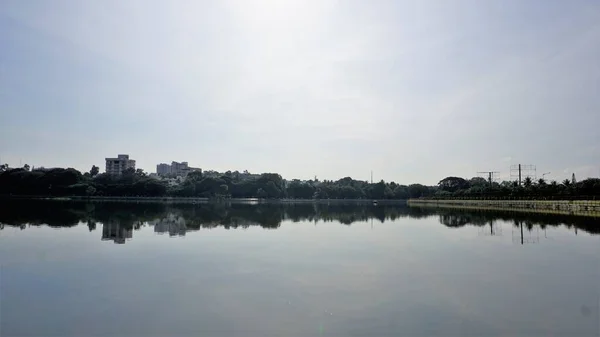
(413, 90)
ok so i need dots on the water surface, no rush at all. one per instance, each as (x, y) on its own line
(110, 269)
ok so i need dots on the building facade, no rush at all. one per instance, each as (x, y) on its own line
(179, 169)
(163, 169)
(116, 166)
(176, 169)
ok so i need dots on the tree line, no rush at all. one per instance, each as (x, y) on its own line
(456, 187)
(70, 182)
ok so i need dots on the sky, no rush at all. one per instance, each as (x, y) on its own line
(412, 90)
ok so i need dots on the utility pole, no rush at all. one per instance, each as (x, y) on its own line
(519, 172)
(490, 175)
(371, 176)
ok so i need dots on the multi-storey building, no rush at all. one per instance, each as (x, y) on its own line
(116, 166)
(179, 169)
(163, 169)
(175, 169)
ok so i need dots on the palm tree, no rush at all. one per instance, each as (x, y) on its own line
(566, 182)
(527, 182)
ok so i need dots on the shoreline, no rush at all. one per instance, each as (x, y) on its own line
(195, 200)
(588, 208)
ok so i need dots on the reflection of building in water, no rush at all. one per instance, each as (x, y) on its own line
(172, 224)
(116, 232)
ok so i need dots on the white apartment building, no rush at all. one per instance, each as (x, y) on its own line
(175, 169)
(179, 169)
(116, 166)
(163, 169)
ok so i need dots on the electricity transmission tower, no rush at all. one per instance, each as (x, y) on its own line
(520, 172)
(525, 238)
(491, 176)
(493, 230)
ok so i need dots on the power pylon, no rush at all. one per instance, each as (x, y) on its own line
(490, 175)
(520, 172)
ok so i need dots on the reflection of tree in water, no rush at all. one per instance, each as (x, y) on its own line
(91, 225)
(453, 220)
(266, 215)
(456, 217)
(37, 214)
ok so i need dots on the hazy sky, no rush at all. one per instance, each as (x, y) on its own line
(413, 90)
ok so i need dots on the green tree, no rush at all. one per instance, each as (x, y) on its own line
(378, 190)
(194, 175)
(418, 191)
(223, 189)
(261, 193)
(453, 184)
(94, 171)
(272, 190)
(527, 182)
(91, 190)
(401, 192)
(26, 167)
(478, 182)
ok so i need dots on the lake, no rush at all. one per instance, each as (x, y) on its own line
(118, 269)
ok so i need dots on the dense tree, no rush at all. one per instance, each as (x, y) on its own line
(418, 191)
(61, 182)
(300, 190)
(94, 171)
(478, 182)
(128, 171)
(527, 182)
(223, 189)
(452, 184)
(261, 193)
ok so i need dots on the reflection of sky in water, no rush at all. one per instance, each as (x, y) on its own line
(403, 277)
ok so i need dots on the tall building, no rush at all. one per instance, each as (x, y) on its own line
(179, 169)
(163, 169)
(175, 169)
(116, 166)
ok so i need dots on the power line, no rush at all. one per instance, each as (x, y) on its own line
(521, 172)
(490, 175)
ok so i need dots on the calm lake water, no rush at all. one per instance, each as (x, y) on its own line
(110, 269)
